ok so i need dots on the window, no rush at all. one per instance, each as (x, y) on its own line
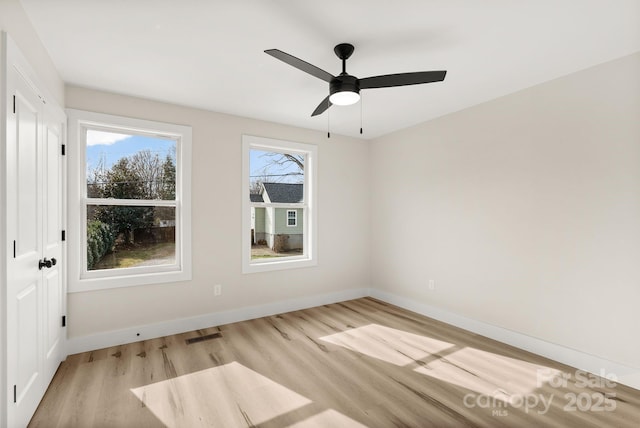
(292, 217)
(279, 206)
(130, 204)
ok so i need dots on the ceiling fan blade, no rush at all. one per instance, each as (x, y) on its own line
(402, 79)
(322, 107)
(300, 64)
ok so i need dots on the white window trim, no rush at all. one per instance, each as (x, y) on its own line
(295, 218)
(79, 278)
(310, 237)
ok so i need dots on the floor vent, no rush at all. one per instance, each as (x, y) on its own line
(203, 338)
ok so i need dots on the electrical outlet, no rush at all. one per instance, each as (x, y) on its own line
(432, 284)
(217, 289)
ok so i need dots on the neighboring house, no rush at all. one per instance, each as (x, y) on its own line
(281, 228)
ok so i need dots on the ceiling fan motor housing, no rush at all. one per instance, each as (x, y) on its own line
(344, 83)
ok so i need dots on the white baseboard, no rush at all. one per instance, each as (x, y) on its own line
(626, 375)
(134, 334)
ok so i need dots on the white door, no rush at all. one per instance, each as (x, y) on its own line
(53, 289)
(34, 212)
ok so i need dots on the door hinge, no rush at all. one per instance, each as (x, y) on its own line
(15, 394)
(14, 248)
(14, 104)
(64, 320)
(64, 235)
(64, 149)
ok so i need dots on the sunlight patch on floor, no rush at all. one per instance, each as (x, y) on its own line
(231, 393)
(228, 392)
(488, 373)
(328, 418)
(388, 344)
(476, 370)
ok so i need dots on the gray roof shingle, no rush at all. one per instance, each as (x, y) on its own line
(284, 192)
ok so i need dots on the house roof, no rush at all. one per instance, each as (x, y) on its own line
(254, 197)
(284, 192)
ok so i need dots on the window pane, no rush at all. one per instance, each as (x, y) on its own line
(272, 237)
(124, 166)
(279, 175)
(291, 218)
(130, 236)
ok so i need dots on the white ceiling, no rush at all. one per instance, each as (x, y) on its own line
(209, 53)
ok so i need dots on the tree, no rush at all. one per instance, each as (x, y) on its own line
(284, 160)
(279, 167)
(148, 169)
(168, 189)
(139, 176)
(123, 181)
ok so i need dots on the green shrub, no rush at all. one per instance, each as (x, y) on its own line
(100, 240)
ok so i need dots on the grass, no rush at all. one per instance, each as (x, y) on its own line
(264, 252)
(135, 255)
(268, 256)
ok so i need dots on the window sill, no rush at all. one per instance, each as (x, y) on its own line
(128, 280)
(268, 266)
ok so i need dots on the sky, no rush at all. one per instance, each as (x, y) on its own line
(110, 147)
(260, 164)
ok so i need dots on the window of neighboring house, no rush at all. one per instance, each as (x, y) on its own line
(292, 218)
(129, 201)
(279, 206)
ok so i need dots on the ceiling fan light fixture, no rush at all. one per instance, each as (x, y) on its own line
(344, 90)
(344, 98)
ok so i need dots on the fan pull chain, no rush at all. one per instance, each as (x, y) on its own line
(328, 121)
(361, 101)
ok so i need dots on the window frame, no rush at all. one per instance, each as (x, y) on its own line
(295, 218)
(309, 205)
(81, 279)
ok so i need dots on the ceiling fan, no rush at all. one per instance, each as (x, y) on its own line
(344, 89)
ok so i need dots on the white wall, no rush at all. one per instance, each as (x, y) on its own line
(524, 210)
(343, 170)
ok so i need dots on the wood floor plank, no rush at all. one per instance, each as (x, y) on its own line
(351, 364)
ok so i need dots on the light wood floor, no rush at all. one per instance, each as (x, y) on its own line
(352, 364)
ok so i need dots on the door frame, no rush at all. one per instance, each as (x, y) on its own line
(4, 251)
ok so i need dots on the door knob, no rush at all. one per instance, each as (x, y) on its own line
(46, 263)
